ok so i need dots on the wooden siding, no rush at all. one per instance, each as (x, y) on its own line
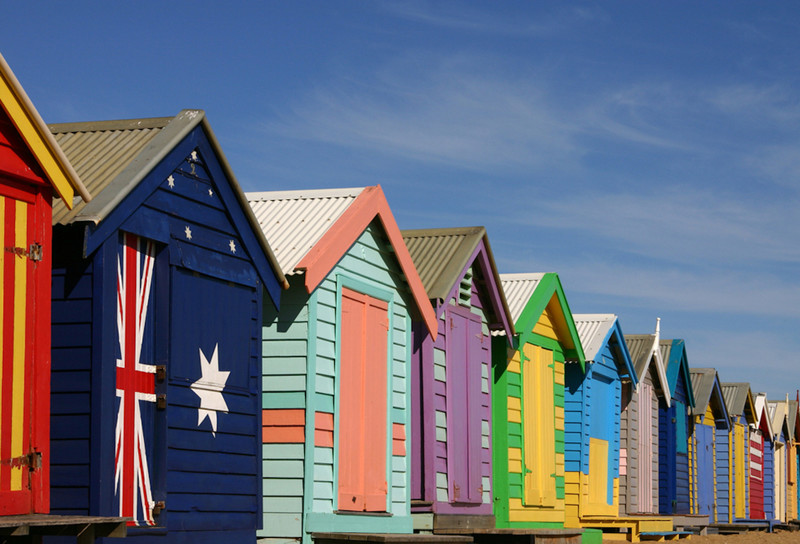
(756, 472)
(673, 460)
(631, 500)
(208, 465)
(73, 331)
(300, 371)
(510, 444)
(724, 477)
(25, 218)
(769, 480)
(592, 437)
(457, 375)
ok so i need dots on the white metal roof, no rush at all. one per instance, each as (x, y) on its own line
(518, 289)
(592, 330)
(294, 221)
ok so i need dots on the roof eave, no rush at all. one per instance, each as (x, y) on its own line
(38, 137)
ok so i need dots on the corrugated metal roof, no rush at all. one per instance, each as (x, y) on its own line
(735, 394)
(702, 385)
(778, 413)
(441, 254)
(640, 347)
(593, 330)
(294, 221)
(518, 289)
(100, 151)
(665, 346)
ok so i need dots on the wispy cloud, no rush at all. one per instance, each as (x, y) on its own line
(460, 16)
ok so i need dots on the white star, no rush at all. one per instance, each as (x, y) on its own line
(232, 245)
(194, 155)
(171, 182)
(210, 192)
(209, 388)
(188, 232)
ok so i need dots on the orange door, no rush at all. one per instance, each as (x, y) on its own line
(363, 403)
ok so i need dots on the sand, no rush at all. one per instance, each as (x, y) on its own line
(753, 537)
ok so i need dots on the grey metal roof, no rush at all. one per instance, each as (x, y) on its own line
(100, 151)
(518, 289)
(592, 330)
(640, 347)
(294, 221)
(441, 254)
(702, 385)
(735, 394)
(793, 417)
(665, 346)
(112, 157)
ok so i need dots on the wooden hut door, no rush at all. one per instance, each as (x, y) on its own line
(646, 458)
(538, 420)
(463, 339)
(780, 481)
(739, 471)
(756, 474)
(24, 322)
(705, 469)
(362, 403)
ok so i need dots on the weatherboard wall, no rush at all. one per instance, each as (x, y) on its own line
(639, 438)
(592, 436)
(528, 429)
(204, 304)
(452, 407)
(25, 216)
(301, 400)
(674, 424)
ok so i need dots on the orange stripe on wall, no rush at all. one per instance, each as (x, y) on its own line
(398, 439)
(323, 429)
(283, 426)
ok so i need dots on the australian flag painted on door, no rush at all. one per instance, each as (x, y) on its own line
(158, 292)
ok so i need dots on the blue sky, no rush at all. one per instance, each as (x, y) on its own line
(648, 152)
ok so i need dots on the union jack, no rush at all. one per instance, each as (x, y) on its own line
(135, 381)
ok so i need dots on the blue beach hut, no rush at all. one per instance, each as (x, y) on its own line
(157, 301)
(592, 405)
(673, 425)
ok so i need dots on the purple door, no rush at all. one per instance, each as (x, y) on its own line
(705, 469)
(464, 353)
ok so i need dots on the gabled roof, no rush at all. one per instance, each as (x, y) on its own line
(441, 257)
(645, 351)
(707, 390)
(38, 139)
(794, 419)
(115, 156)
(313, 229)
(528, 296)
(739, 400)
(762, 415)
(598, 330)
(673, 353)
(779, 414)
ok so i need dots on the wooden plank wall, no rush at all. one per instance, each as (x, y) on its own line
(70, 421)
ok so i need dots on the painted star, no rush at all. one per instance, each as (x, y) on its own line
(194, 155)
(210, 192)
(171, 182)
(209, 388)
(232, 245)
(188, 232)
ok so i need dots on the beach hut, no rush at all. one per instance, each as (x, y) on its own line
(742, 411)
(792, 471)
(336, 369)
(528, 403)
(761, 461)
(708, 448)
(639, 467)
(781, 440)
(451, 457)
(33, 171)
(157, 298)
(673, 425)
(592, 426)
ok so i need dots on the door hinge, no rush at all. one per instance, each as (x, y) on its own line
(161, 402)
(33, 461)
(158, 507)
(34, 251)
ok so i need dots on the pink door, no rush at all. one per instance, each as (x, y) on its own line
(363, 403)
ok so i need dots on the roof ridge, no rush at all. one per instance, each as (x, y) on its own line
(100, 126)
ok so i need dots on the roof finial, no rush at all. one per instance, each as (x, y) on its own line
(658, 330)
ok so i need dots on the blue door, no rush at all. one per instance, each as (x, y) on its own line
(705, 469)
